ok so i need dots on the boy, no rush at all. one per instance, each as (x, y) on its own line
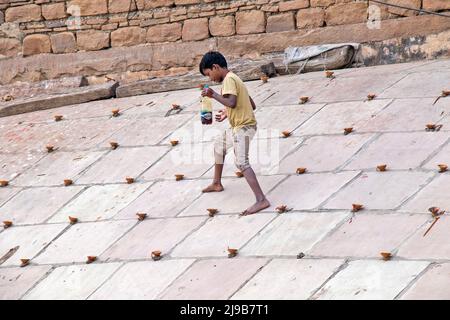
(239, 111)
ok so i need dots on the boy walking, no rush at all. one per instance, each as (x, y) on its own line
(239, 111)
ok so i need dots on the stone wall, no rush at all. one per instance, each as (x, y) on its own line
(33, 27)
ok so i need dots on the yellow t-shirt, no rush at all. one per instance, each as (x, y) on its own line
(242, 114)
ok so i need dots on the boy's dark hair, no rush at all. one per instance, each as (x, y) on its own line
(210, 58)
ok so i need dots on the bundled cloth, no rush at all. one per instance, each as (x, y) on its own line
(343, 53)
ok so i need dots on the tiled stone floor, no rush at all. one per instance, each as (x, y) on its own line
(318, 250)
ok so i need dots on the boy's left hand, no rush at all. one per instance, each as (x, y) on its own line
(222, 115)
(208, 92)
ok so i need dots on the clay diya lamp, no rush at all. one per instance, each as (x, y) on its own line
(24, 262)
(281, 209)
(141, 216)
(156, 255)
(286, 134)
(329, 74)
(129, 180)
(304, 100)
(91, 259)
(232, 252)
(179, 177)
(7, 224)
(212, 212)
(264, 79)
(174, 142)
(436, 212)
(371, 96)
(357, 207)
(442, 167)
(114, 145)
(73, 220)
(386, 255)
(115, 112)
(300, 170)
(348, 130)
(4, 183)
(58, 118)
(8, 97)
(68, 182)
(50, 148)
(239, 174)
(382, 167)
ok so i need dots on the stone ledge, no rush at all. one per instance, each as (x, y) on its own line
(48, 87)
(246, 70)
(43, 102)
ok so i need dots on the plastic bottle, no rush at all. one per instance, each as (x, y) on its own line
(206, 113)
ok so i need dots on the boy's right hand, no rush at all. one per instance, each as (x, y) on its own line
(208, 92)
(222, 115)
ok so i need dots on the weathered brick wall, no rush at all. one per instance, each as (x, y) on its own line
(58, 26)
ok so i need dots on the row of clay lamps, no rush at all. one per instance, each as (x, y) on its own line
(305, 99)
(156, 255)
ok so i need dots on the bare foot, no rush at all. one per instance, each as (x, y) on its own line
(258, 206)
(213, 188)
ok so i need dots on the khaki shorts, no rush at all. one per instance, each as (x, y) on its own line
(240, 141)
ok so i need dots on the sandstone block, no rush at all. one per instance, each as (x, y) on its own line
(9, 47)
(322, 3)
(54, 11)
(280, 22)
(415, 4)
(195, 29)
(164, 32)
(158, 3)
(119, 6)
(91, 40)
(129, 36)
(222, 26)
(346, 13)
(248, 22)
(36, 43)
(63, 42)
(436, 5)
(310, 18)
(27, 13)
(293, 5)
